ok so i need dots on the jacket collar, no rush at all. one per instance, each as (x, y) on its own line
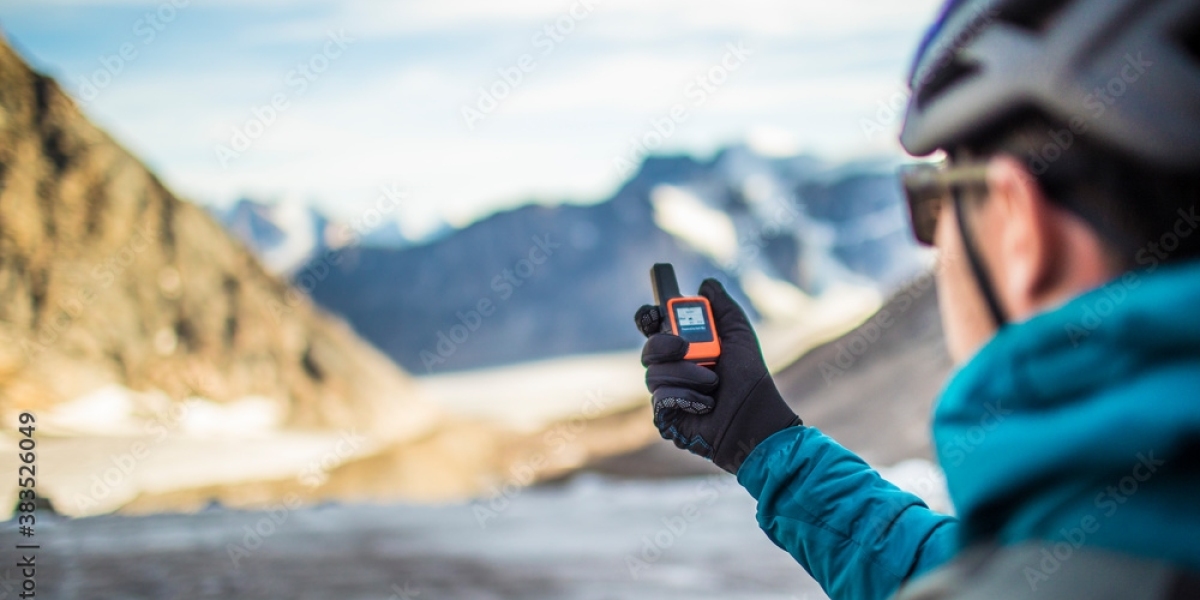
(1057, 407)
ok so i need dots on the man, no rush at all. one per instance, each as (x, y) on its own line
(1066, 222)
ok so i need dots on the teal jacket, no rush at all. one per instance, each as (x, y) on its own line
(1077, 428)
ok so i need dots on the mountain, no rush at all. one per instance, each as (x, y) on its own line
(535, 282)
(284, 235)
(108, 279)
(544, 281)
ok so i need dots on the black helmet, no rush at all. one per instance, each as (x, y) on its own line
(1125, 71)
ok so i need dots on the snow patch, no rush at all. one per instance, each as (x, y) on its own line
(687, 217)
(774, 299)
(116, 411)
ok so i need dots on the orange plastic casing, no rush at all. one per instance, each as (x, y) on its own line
(703, 353)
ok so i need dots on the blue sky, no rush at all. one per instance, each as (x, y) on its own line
(387, 105)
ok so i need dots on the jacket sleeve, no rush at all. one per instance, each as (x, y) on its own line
(859, 536)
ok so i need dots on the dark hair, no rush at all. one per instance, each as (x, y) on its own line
(1130, 205)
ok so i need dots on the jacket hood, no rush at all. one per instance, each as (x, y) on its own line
(1082, 425)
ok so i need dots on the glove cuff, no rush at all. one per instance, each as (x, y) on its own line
(761, 415)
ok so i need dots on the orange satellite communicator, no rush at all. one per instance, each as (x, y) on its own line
(689, 317)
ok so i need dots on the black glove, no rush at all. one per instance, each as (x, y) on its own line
(721, 413)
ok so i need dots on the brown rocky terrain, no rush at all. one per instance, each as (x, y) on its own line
(108, 277)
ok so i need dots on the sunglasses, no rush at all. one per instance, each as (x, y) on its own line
(928, 185)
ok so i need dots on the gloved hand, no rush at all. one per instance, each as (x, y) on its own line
(721, 413)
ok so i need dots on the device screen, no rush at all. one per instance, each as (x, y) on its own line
(693, 322)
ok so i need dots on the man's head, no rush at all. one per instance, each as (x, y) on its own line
(1046, 194)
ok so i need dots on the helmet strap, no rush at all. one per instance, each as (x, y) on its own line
(978, 269)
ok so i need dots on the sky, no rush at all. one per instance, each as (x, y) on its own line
(468, 106)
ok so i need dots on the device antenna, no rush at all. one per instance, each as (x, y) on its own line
(662, 276)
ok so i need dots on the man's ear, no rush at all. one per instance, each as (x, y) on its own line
(1028, 237)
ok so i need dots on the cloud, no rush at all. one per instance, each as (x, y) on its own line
(781, 18)
(389, 111)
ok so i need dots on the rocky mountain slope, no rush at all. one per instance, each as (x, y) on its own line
(106, 277)
(873, 389)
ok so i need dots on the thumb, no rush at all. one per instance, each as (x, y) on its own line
(731, 319)
(649, 320)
